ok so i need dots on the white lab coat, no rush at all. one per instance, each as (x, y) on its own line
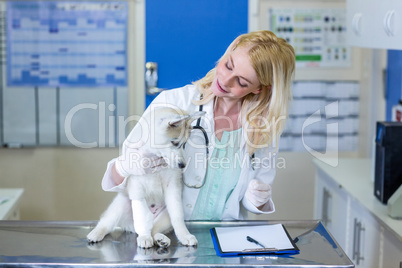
(237, 205)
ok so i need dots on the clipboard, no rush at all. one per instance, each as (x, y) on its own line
(265, 239)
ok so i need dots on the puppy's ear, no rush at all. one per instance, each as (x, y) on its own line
(196, 115)
(178, 120)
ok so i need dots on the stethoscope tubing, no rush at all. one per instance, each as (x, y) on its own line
(199, 127)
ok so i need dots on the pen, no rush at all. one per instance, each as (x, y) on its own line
(252, 240)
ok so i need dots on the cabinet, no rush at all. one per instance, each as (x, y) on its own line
(374, 24)
(363, 246)
(10, 204)
(392, 250)
(345, 203)
(330, 205)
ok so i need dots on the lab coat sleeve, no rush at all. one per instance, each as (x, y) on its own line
(139, 134)
(265, 171)
(268, 208)
(108, 184)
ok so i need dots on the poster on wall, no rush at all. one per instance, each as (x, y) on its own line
(67, 43)
(318, 35)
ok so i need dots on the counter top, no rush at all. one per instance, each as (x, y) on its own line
(51, 244)
(10, 197)
(354, 175)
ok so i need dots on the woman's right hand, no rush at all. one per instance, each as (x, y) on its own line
(137, 161)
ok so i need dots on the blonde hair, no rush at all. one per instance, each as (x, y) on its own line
(263, 115)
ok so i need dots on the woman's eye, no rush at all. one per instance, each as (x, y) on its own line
(227, 66)
(242, 85)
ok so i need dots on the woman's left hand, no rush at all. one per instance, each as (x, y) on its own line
(258, 193)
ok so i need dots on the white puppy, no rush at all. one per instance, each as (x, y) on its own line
(132, 210)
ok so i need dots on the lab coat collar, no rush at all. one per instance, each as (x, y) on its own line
(208, 124)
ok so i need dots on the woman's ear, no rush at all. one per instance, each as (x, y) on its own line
(257, 91)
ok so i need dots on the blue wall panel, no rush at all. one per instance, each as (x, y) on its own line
(186, 38)
(394, 80)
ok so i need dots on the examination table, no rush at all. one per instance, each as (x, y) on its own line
(55, 244)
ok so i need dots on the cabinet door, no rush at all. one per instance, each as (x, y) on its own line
(374, 24)
(363, 245)
(331, 207)
(357, 13)
(392, 250)
(390, 19)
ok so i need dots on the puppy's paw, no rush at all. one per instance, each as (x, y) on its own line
(97, 234)
(188, 240)
(145, 241)
(145, 253)
(162, 240)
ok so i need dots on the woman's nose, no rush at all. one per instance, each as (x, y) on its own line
(227, 79)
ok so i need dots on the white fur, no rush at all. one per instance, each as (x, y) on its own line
(130, 210)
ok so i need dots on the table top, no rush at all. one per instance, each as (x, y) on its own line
(51, 244)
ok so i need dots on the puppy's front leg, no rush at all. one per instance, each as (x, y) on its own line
(110, 218)
(174, 205)
(143, 222)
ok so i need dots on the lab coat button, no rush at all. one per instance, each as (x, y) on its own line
(189, 205)
(198, 178)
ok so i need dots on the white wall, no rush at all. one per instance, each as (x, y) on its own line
(59, 183)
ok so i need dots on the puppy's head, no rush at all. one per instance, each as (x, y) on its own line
(173, 126)
(172, 130)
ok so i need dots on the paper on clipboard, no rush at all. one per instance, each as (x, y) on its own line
(273, 239)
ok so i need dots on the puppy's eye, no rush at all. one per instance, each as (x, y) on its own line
(175, 143)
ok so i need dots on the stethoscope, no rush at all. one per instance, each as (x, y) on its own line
(199, 127)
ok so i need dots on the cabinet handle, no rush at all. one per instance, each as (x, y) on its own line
(387, 22)
(356, 23)
(359, 236)
(354, 251)
(325, 206)
(391, 14)
(358, 229)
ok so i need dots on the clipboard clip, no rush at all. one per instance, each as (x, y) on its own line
(260, 250)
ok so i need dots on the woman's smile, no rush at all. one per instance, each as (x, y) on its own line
(220, 88)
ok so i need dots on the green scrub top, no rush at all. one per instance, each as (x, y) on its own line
(222, 176)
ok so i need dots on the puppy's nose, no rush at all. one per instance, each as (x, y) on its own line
(182, 165)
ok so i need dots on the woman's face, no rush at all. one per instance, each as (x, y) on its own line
(235, 76)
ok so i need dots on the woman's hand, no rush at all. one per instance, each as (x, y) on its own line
(258, 193)
(136, 161)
